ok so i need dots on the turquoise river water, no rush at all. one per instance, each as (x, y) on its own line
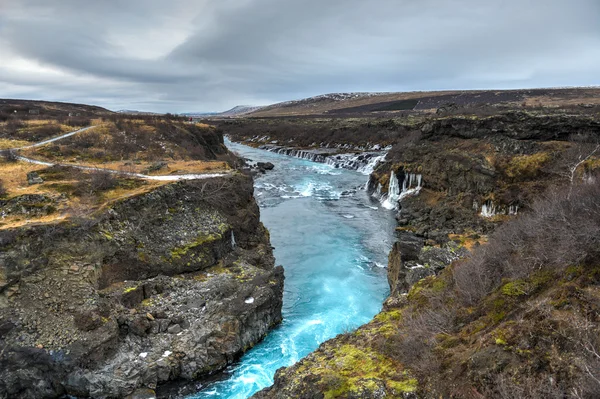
(333, 241)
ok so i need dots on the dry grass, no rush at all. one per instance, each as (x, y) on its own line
(14, 177)
(74, 192)
(15, 222)
(7, 143)
(593, 97)
(469, 240)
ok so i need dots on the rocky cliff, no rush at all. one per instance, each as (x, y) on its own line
(171, 284)
(515, 314)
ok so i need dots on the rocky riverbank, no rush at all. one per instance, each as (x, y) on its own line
(172, 284)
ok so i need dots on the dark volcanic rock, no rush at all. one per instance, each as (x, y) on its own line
(265, 165)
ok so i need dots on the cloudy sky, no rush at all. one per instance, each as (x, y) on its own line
(205, 55)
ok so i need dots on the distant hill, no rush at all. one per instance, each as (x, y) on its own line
(357, 104)
(240, 110)
(49, 108)
(134, 112)
(235, 111)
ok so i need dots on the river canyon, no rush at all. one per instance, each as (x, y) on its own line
(333, 241)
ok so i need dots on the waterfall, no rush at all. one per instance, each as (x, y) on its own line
(488, 209)
(411, 185)
(365, 162)
(391, 202)
(372, 164)
(232, 240)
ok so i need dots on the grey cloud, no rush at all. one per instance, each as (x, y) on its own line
(219, 54)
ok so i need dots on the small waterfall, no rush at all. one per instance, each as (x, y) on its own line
(372, 164)
(488, 209)
(391, 201)
(232, 240)
(411, 185)
(302, 154)
(365, 163)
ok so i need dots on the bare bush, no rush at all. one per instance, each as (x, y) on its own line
(3, 190)
(9, 155)
(94, 182)
(560, 230)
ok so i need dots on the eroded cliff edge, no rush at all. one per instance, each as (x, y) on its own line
(170, 284)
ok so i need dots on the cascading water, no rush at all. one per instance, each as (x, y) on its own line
(333, 245)
(488, 210)
(411, 185)
(391, 202)
(364, 162)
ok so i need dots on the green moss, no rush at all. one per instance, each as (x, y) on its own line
(497, 317)
(406, 386)
(420, 292)
(390, 315)
(527, 166)
(148, 302)
(107, 235)
(516, 288)
(130, 289)
(500, 341)
(448, 341)
(362, 371)
(201, 240)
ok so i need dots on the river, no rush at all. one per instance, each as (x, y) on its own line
(333, 241)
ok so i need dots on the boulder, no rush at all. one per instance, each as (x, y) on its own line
(34, 178)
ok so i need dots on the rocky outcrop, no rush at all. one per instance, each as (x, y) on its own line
(518, 125)
(173, 284)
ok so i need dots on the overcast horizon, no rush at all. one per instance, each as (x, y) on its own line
(203, 56)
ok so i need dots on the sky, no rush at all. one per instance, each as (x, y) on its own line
(211, 55)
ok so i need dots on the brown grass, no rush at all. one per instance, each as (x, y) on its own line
(172, 168)
(7, 143)
(14, 177)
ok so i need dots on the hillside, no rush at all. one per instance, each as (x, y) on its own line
(50, 109)
(365, 104)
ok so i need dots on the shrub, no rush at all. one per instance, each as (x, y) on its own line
(94, 182)
(9, 155)
(3, 190)
(557, 233)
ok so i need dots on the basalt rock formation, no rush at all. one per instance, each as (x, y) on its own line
(172, 284)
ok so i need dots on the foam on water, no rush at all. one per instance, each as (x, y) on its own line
(333, 279)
